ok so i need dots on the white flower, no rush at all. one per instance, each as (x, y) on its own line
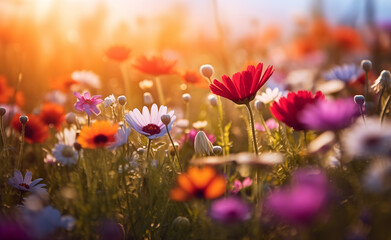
(202, 145)
(110, 100)
(200, 124)
(56, 96)
(150, 123)
(26, 184)
(67, 136)
(269, 96)
(121, 138)
(382, 82)
(65, 154)
(87, 78)
(370, 139)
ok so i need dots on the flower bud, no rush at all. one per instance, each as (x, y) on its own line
(202, 145)
(366, 65)
(181, 224)
(121, 100)
(359, 100)
(186, 97)
(217, 150)
(207, 70)
(212, 100)
(77, 146)
(166, 119)
(2, 111)
(23, 119)
(259, 105)
(383, 82)
(148, 99)
(109, 101)
(70, 118)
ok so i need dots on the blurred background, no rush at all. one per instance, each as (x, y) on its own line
(46, 39)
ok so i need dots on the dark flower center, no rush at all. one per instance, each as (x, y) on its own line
(67, 151)
(372, 141)
(151, 129)
(25, 185)
(100, 139)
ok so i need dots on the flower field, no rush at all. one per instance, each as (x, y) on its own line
(137, 128)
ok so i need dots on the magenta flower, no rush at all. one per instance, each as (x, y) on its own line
(329, 115)
(270, 123)
(238, 185)
(190, 137)
(303, 201)
(230, 210)
(87, 104)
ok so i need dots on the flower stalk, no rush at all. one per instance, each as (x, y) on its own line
(250, 112)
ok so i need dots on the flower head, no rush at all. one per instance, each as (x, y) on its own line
(194, 78)
(150, 123)
(121, 137)
(230, 210)
(329, 115)
(202, 145)
(87, 104)
(86, 78)
(199, 182)
(25, 184)
(269, 95)
(288, 108)
(35, 130)
(7, 93)
(190, 137)
(244, 85)
(155, 65)
(270, 123)
(110, 100)
(238, 185)
(100, 134)
(382, 82)
(346, 73)
(64, 154)
(52, 115)
(62, 83)
(118, 53)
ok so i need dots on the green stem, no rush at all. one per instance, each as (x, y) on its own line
(160, 91)
(264, 124)
(148, 148)
(250, 112)
(89, 120)
(176, 152)
(21, 147)
(383, 113)
(221, 126)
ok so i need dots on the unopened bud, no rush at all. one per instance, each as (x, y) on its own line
(110, 100)
(181, 224)
(217, 150)
(186, 97)
(148, 99)
(259, 105)
(70, 118)
(166, 119)
(121, 100)
(207, 70)
(212, 100)
(359, 100)
(23, 119)
(77, 146)
(366, 65)
(202, 145)
(2, 111)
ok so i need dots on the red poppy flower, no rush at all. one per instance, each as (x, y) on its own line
(118, 53)
(199, 182)
(194, 78)
(244, 85)
(155, 65)
(52, 115)
(288, 108)
(35, 130)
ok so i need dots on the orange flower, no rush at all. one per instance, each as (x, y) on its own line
(347, 38)
(118, 53)
(199, 182)
(35, 130)
(194, 78)
(62, 83)
(100, 134)
(52, 115)
(155, 65)
(5, 91)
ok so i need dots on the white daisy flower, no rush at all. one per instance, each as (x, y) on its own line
(269, 96)
(25, 184)
(121, 138)
(87, 78)
(65, 154)
(110, 100)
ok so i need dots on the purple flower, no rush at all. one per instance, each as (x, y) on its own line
(238, 185)
(329, 115)
(346, 73)
(87, 104)
(230, 210)
(190, 137)
(303, 201)
(12, 230)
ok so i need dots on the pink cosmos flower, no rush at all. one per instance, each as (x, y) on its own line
(150, 123)
(87, 104)
(26, 184)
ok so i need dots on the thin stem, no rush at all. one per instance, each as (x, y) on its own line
(221, 126)
(148, 148)
(362, 114)
(160, 91)
(250, 112)
(173, 145)
(383, 113)
(21, 147)
(264, 124)
(3, 135)
(379, 101)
